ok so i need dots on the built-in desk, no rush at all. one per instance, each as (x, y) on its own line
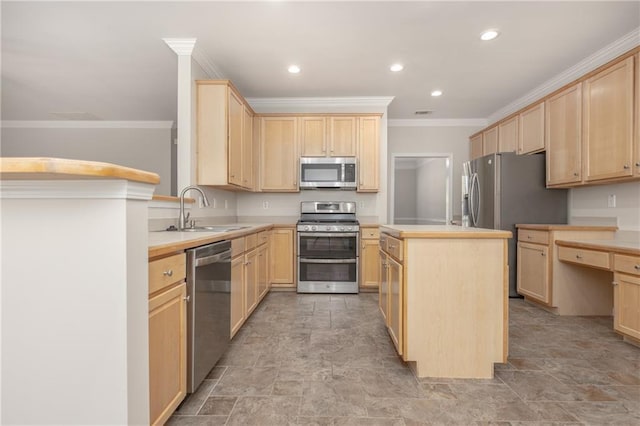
(623, 259)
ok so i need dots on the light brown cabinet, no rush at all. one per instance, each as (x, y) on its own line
(167, 336)
(608, 122)
(476, 146)
(263, 270)
(383, 287)
(490, 141)
(636, 143)
(313, 136)
(279, 154)
(626, 294)
(368, 154)
(531, 130)
(224, 137)
(391, 291)
(563, 133)
(342, 136)
(508, 135)
(282, 257)
(237, 293)
(369, 257)
(533, 271)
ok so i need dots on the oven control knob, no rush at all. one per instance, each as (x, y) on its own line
(328, 228)
(313, 228)
(342, 228)
(306, 228)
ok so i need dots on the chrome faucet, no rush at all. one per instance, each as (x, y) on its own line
(182, 219)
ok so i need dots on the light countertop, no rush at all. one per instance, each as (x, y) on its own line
(614, 245)
(561, 227)
(443, 231)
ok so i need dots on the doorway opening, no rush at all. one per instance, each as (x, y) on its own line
(421, 190)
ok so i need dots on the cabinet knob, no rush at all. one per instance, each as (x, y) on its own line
(186, 298)
(614, 283)
(168, 273)
(637, 164)
(233, 176)
(542, 254)
(578, 256)
(575, 174)
(626, 167)
(528, 237)
(636, 267)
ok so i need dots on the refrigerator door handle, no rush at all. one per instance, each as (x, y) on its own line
(475, 208)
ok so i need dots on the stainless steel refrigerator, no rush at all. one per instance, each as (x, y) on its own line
(501, 190)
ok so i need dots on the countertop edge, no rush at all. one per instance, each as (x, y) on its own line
(448, 233)
(561, 227)
(600, 245)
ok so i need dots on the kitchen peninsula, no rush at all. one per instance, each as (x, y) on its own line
(444, 296)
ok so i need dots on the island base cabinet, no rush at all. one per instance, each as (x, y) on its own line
(626, 296)
(167, 352)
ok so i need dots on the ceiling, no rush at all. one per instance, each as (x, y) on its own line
(107, 60)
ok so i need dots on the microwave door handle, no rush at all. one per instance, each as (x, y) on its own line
(343, 175)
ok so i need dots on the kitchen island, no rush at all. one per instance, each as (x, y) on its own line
(444, 297)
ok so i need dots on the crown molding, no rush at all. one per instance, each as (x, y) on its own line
(264, 104)
(599, 58)
(438, 122)
(74, 189)
(84, 124)
(209, 67)
(181, 46)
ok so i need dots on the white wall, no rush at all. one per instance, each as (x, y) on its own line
(591, 202)
(435, 140)
(144, 149)
(404, 208)
(431, 192)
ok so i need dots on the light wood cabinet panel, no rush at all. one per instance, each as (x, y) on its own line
(250, 282)
(533, 271)
(369, 263)
(563, 133)
(608, 122)
(383, 290)
(508, 135)
(475, 145)
(368, 154)
(278, 154)
(626, 296)
(313, 136)
(636, 145)
(396, 306)
(531, 130)
(167, 271)
(342, 136)
(236, 113)
(533, 236)
(490, 141)
(167, 352)
(282, 257)
(247, 171)
(237, 294)
(263, 271)
(593, 258)
(627, 264)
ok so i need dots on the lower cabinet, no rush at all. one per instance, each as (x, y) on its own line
(369, 257)
(167, 336)
(383, 289)
(391, 290)
(626, 295)
(237, 294)
(533, 271)
(282, 257)
(263, 270)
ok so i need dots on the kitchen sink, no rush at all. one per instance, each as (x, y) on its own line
(211, 228)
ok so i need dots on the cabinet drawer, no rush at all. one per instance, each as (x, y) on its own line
(251, 242)
(263, 237)
(369, 233)
(594, 258)
(237, 246)
(394, 248)
(531, 236)
(166, 271)
(627, 264)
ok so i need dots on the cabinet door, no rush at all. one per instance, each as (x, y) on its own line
(531, 130)
(247, 149)
(490, 141)
(237, 294)
(608, 122)
(342, 136)
(383, 290)
(396, 304)
(475, 145)
(251, 282)
(369, 264)
(282, 257)
(236, 114)
(563, 133)
(626, 302)
(263, 271)
(533, 271)
(508, 135)
(313, 136)
(167, 352)
(368, 154)
(636, 146)
(278, 154)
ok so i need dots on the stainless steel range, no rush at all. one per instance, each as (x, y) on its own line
(328, 247)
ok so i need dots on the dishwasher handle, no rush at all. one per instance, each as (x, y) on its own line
(220, 257)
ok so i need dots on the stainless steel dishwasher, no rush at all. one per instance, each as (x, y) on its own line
(208, 309)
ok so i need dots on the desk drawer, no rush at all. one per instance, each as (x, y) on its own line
(237, 246)
(627, 264)
(593, 258)
(166, 271)
(367, 233)
(531, 236)
(263, 237)
(395, 248)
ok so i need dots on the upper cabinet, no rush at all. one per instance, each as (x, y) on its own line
(608, 122)
(490, 141)
(328, 136)
(278, 154)
(563, 133)
(636, 145)
(531, 130)
(476, 146)
(224, 137)
(368, 154)
(508, 135)
(313, 136)
(342, 136)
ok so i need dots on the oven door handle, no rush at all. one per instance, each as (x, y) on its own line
(327, 234)
(306, 260)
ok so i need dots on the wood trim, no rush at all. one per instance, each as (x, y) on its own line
(566, 227)
(320, 114)
(43, 168)
(171, 198)
(601, 246)
(505, 305)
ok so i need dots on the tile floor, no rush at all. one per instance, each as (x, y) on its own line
(327, 360)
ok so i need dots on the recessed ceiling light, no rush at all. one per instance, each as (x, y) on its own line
(396, 67)
(489, 35)
(294, 69)
(436, 93)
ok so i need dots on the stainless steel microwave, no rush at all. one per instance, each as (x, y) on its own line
(322, 172)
